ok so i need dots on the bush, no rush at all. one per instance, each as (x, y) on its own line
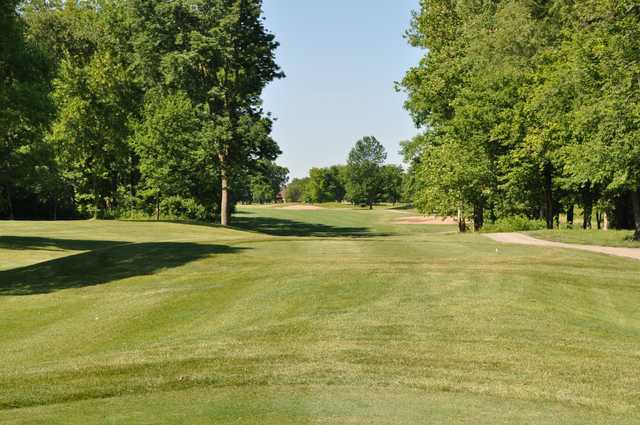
(176, 207)
(514, 224)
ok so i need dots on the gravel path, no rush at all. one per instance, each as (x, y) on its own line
(519, 238)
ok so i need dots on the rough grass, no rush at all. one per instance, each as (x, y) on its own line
(310, 317)
(621, 238)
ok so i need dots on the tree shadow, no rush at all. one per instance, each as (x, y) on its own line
(401, 207)
(49, 244)
(103, 265)
(286, 227)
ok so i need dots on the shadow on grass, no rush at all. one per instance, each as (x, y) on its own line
(402, 207)
(286, 227)
(103, 265)
(49, 244)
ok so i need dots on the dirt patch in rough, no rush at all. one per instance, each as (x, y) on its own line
(302, 207)
(426, 219)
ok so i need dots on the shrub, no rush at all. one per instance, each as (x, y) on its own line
(182, 208)
(514, 224)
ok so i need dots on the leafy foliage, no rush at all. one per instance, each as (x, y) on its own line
(527, 108)
(268, 183)
(112, 106)
(296, 190)
(364, 171)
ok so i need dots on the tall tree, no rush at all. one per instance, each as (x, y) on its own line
(24, 107)
(227, 60)
(296, 189)
(364, 171)
(326, 184)
(392, 177)
(268, 181)
(91, 127)
(492, 84)
(166, 143)
(607, 149)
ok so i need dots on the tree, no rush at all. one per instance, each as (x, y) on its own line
(456, 119)
(392, 178)
(166, 144)
(268, 182)
(91, 128)
(93, 93)
(493, 94)
(325, 184)
(25, 109)
(141, 90)
(364, 171)
(606, 151)
(230, 57)
(451, 178)
(296, 189)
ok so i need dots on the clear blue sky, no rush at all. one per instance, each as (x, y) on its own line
(341, 58)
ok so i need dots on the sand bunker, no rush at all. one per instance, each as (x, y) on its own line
(426, 219)
(301, 207)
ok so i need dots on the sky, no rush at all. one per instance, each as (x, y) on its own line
(341, 58)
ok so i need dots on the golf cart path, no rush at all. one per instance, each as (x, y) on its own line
(522, 239)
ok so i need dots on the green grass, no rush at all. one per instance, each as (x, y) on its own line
(310, 317)
(621, 238)
(342, 205)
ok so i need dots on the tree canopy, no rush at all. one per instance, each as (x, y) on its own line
(526, 108)
(364, 171)
(112, 107)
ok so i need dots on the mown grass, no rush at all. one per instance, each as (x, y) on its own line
(621, 238)
(342, 205)
(305, 317)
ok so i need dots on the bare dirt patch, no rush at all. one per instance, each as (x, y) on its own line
(302, 207)
(425, 219)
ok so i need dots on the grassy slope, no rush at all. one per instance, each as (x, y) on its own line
(623, 238)
(328, 316)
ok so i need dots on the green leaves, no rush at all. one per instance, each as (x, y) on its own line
(151, 97)
(24, 110)
(166, 142)
(364, 173)
(220, 55)
(326, 184)
(523, 103)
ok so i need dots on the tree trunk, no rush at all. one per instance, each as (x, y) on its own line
(462, 225)
(588, 209)
(158, 206)
(570, 215)
(9, 203)
(55, 209)
(548, 197)
(132, 184)
(599, 219)
(478, 216)
(492, 213)
(224, 201)
(95, 197)
(635, 201)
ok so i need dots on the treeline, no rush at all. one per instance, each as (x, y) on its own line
(124, 107)
(528, 108)
(365, 179)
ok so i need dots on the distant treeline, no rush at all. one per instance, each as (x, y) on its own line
(134, 107)
(528, 108)
(365, 179)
